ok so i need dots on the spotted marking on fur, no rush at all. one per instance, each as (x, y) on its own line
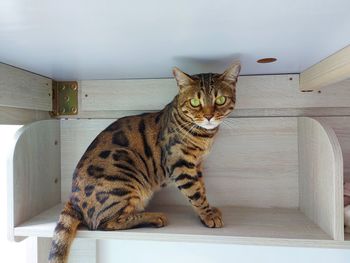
(120, 138)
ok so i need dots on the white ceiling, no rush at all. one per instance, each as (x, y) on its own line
(113, 39)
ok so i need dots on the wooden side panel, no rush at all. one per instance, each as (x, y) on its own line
(254, 162)
(341, 127)
(34, 171)
(82, 250)
(269, 93)
(332, 69)
(23, 89)
(9, 115)
(321, 176)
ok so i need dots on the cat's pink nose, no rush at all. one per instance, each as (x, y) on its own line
(208, 116)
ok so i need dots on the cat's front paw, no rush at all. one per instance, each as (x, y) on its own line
(213, 218)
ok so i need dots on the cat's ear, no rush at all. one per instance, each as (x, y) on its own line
(231, 74)
(182, 78)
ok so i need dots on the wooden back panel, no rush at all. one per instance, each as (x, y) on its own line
(254, 162)
(255, 95)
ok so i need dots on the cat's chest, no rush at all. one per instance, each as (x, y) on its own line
(195, 153)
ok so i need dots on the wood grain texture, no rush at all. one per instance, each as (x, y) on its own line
(341, 127)
(332, 69)
(321, 176)
(253, 93)
(9, 115)
(23, 89)
(254, 162)
(43, 246)
(237, 113)
(82, 250)
(239, 221)
(253, 223)
(34, 171)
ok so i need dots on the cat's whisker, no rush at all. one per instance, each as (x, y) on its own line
(183, 126)
(228, 123)
(187, 133)
(224, 123)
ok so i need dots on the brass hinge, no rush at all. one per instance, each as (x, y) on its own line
(64, 98)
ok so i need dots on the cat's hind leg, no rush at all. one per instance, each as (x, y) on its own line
(140, 219)
(127, 215)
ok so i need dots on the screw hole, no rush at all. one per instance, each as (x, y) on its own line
(86, 95)
(307, 90)
(291, 78)
(319, 91)
(56, 142)
(56, 181)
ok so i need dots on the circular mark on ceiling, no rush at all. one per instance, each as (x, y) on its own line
(266, 60)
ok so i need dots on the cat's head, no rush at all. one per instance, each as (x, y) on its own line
(208, 98)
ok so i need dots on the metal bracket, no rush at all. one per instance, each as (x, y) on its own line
(64, 98)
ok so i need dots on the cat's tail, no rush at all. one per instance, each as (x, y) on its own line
(64, 234)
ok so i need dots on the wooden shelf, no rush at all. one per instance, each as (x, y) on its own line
(256, 164)
(300, 220)
(242, 224)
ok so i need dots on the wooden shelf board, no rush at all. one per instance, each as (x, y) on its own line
(260, 226)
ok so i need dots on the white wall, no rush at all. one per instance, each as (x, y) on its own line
(171, 252)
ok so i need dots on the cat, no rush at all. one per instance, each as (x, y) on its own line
(138, 155)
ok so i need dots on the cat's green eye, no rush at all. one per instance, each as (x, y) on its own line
(195, 102)
(220, 100)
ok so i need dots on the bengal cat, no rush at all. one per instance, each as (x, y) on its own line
(138, 155)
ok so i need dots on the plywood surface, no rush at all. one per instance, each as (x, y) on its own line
(269, 92)
(254, 162)
(257, 225)
(321, 176)
(22, 89)
(34, 180)
(10, 115)
(82, 250)
(341, 127)
(332, 69)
